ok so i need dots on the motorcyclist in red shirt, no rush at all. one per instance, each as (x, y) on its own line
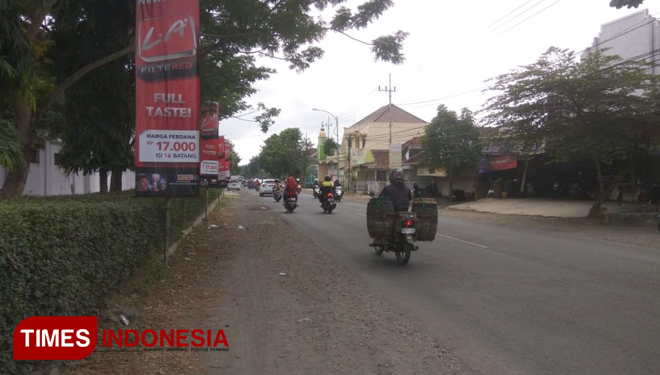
(290, 189)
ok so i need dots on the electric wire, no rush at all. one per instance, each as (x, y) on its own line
(533, 15)
(518, 15)
(508, 14)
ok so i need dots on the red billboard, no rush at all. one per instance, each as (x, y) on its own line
(501, 163)
(167, 148)
(221, 147)
(209, 133)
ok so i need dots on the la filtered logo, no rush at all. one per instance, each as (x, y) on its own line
(55, 337)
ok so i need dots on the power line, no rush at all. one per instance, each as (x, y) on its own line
(446, 97)
(540, 11)
(629, 30)
(365, 103)
(508, 14)
(346, 111)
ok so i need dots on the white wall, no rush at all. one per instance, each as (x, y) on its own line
(46, 178)
(631, 36)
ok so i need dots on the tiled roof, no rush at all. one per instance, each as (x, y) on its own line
(415, 142)
(398, 115)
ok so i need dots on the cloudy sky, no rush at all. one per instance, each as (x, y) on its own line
(453, 48)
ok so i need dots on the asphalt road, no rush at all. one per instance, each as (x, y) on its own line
(508, 300)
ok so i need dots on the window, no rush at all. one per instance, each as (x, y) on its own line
(57, 159)
(35, 156)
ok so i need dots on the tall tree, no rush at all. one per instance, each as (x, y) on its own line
(451, 142)
(235, 28)
(330, 146)
(286, 153)
(99, 110)
(600, 109)
(251, 169)
(235, 159)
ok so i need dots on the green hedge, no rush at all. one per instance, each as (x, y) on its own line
(62, 256)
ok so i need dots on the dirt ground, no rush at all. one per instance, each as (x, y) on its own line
(644, 236)
(285, 306)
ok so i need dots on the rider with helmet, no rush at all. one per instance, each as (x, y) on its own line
(397, 191)
(327, 187)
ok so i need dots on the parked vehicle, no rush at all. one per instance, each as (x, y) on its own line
(234, 185)
(339, 194)
(328, 204)
(290, 204)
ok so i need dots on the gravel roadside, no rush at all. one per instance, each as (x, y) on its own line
(285, 306)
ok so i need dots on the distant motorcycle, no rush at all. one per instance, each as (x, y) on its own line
(329, 203)
(290, 204)
(299, 188)
(338, 194)
(277, 195)
(317, 192)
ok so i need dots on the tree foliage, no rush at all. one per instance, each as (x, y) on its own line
(330, 146)
(451, 142)
(252, 169)
(98, 111)
(599, 109)
(234, 158)
(286, 153)
(10, 146)
(618, 4)
(233, 32)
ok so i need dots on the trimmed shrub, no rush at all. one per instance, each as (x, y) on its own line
(62, 256)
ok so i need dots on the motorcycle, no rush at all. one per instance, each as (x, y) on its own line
(399, 231)
(290, 204)
(402, 240)
(338, 194)
(277, 195)
(299, 188)
(317, 192)
(329, 203)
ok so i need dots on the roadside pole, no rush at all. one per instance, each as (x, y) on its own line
(167, 229)
(206, 202)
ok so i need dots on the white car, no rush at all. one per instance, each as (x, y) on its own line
(266, 187)
(234, 185)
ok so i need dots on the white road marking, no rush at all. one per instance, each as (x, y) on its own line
(463, 241)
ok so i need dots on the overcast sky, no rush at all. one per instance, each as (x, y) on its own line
(453, 47)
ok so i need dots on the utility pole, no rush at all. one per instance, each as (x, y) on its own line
(389, 90)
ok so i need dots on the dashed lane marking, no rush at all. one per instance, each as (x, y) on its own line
(463, 241)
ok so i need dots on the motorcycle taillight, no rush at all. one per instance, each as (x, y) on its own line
(408, 223)
(329, 195)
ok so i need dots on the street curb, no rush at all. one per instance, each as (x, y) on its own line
(172, 249)
(637, 218)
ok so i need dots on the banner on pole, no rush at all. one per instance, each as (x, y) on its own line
(209, 132)
(167, 150)
(221, 147)
(395, 156)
